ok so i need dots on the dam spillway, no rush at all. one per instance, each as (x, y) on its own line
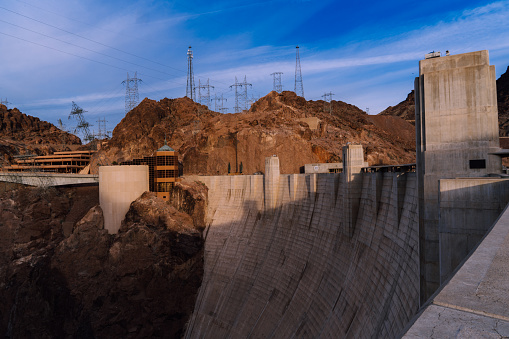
(309, 256)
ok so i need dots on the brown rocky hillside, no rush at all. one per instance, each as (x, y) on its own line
(296, 130)
(21, 134)
(503, 103)
(404, 110)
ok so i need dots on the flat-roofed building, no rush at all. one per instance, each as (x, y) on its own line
(59, 162)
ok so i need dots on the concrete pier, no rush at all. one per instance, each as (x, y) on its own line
(118, 187)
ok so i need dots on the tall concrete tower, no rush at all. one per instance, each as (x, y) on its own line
(456, 124)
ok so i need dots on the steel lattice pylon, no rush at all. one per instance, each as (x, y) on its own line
(131, 92)
(299, 87)
(190, 75)
(277, 82)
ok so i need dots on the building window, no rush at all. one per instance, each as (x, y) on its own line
(477, 163)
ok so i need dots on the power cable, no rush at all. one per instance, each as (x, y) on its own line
(82, 57)
(85, 38)
(85, 48)
(91, 40)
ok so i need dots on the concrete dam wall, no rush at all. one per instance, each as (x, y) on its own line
(309, 256)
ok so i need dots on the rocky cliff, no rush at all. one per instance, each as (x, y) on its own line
(503, 103)
(405, 109)
(83, 282)
(24, 134)
(298, 131)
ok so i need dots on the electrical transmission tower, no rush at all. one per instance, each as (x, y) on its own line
(103, 133)
(4, 102)
(240, 96)
(329, 100)
(190, 75)
(299, 87)
(244, 95)
(236, 85)
(220, 107)
(82, 126)
(277, 82)
(205, 97)
(61, 127)
(131, 92)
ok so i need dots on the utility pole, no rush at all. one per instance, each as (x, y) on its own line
(190, 75)
(131, 92)
(277, 82)
(329, 100)
(220, 108)
(299, 87)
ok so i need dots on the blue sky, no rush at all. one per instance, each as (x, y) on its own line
(54, 52)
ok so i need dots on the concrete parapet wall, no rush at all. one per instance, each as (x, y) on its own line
(45, 179)
(468, 208)
(118, 187)
(297, 270)
(474, 303)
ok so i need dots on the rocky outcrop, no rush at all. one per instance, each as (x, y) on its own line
(24, 134)
(503, 103)
(15, 125)
(141, 282)
(298, 131)
(404, 110)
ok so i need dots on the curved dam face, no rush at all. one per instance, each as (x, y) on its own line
(309, 256)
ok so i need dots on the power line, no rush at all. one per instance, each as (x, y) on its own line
(82, 57)
(94, 41)
(85, 38)
(79, 21)
(91, 40)
(85, 48)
